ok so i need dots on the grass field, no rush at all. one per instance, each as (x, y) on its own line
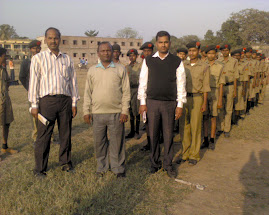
(80, 192)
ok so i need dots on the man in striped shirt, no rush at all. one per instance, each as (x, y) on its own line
(53, 93)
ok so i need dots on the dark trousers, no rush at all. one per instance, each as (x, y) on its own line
(54, 107)
(103, 123)
(161, 112)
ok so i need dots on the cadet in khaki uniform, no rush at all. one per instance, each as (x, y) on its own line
(229, 90)
(257, 88)
(147, 49)
(217, 80)
(197, 87)
(263, 79)
(6, 112)
(116, 54)
(241, 84)
(252, 79)
(260, 77)
(133, 70)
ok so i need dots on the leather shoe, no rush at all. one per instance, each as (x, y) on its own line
(171, 172)
(67, 168)
(152, 169)
(180, 161)
(192, 162)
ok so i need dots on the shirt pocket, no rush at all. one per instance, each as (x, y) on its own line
(65, 72)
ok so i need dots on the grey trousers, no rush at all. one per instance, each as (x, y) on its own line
(103, 123)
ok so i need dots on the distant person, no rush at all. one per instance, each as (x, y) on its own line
(86, 62)
(11, 67)
(182, 53)
(6, 112)
(116, 54)
(52, 101)
(106, 104)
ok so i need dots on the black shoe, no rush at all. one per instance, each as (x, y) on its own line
(145, 148)
(152, 169)
(192, 162)
(180, 161)
(204, 145)
(171, 172)
(211, 146)
(227, 134)
(67, 168)
(130, 135)
(40, 174)
(219, 133)
(121, 175)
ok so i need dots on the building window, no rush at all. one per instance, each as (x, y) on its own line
(24, 46)
(91, 41)
(115, 42)
(123, 43)
(83, 42)
(122, 55)
(92, 54)
(7, 46)
(131, 43)
(98, 43)
(138, 44)
(64, 42)
(75, 42)
(74, 54)
(17, 46)
(83, 54)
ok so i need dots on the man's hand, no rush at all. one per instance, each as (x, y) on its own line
(234, 95)
(34, 112)
(203, 108)
(142, 109)
(123, 118)
(178, 113)
(219, 106)
(88, 119)
(74, 111)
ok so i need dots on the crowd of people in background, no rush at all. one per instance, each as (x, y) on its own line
(175, 95)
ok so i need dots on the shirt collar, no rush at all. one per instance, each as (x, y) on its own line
(157, 55)
(51, 53)
(112, 65)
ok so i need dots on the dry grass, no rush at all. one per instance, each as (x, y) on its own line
(81, 192)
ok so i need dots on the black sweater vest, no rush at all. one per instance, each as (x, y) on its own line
(162, 79)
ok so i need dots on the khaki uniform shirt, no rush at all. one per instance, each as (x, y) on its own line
(251, 66)
(230, 69)
(134, 73)
(197, 77)
(4, 81)
(216, 74)
(243, 70)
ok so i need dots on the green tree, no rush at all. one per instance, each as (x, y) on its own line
(7, 32)
(127, 33)
(91, 33)
(254, 25)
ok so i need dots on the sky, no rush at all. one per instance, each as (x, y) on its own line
(31, 18)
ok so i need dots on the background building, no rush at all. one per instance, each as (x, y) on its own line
(17, 48)
(86, 47)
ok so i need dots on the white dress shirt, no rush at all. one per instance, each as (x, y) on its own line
(52, 75)
(181, 82)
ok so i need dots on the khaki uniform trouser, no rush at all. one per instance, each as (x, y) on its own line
(252, 91)
(225, 115)
(192, 128)
(240, 99)
(262, 92)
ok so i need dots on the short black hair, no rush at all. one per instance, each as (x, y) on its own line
(102, 43)
(2, 51)
(162, 34)
(55, 29)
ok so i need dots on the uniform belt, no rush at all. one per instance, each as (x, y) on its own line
(229, 83)
(193, 94)
(251, 77)
(58, 96)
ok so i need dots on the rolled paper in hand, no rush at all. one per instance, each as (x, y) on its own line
(144, 117)
(41, 118)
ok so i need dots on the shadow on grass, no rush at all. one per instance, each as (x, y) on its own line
(255, 178)
(120, 196)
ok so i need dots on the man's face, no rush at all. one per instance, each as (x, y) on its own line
(147, 52)
(3, 59)
(237, 56)
(116, 54)
(132, 57)
(193, 53)
(254, 55)
(225, 52)
(248, 54)
(52, 39)
(258, 57)
(163, 44)
(211, 55)
(35, 50)
(105, 53)
(182, 55)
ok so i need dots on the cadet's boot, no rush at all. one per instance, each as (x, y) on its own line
(146, 147)
(248, 107)
(205, 144)
(132, 132)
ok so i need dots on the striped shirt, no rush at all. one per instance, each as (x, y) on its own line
(52, 75)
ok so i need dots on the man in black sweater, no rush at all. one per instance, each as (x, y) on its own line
(162, 94)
